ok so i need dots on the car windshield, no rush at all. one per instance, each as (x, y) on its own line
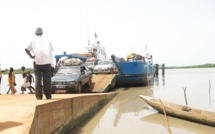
(68, 71)
(105, 62)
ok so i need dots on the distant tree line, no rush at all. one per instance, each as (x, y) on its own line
(208, 65)
(19, 71)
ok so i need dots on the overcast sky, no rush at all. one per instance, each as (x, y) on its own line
(177, 32)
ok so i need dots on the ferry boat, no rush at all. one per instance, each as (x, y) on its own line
(136, 70)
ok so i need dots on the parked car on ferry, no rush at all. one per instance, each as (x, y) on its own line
(105, 66)
(71, 78)
(90, 65)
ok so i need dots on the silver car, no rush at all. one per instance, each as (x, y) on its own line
(105, 66)
(90, 65)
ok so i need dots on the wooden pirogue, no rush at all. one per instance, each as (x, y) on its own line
(176, 110)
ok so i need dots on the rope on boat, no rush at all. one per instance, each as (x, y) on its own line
(167, 121)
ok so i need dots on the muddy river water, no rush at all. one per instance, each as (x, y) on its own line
(128, 114)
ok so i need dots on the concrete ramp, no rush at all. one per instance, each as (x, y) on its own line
(23, 114)
(103, 82)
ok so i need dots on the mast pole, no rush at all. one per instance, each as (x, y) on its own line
(88, 42)
(146, 51)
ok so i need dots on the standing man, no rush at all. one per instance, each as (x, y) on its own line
(43, 58)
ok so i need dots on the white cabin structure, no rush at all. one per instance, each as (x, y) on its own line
(98, 51)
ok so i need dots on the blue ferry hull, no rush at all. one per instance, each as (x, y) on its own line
(133, 72)
(134, 79)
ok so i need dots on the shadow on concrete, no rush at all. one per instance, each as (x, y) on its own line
(9, 124)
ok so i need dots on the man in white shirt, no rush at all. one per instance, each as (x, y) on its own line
(43, 59)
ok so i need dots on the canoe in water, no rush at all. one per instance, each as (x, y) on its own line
(180, 111)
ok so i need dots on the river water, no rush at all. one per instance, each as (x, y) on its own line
(128, 114)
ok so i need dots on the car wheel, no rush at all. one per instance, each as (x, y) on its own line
(89, 83)
(78, 88)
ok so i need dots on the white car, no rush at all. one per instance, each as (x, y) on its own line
(105, 66)
(90, 65)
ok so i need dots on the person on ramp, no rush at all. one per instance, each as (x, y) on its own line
(40, 49)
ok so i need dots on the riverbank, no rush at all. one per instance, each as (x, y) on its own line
(23, 114)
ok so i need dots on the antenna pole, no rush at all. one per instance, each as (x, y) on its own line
(146, 51)
(88, 42)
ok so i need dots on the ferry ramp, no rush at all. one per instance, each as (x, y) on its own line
(103, 82)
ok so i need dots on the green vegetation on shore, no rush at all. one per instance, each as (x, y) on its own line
(208, 65)
(19, 71)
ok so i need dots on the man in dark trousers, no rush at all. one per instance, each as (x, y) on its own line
(41, 49)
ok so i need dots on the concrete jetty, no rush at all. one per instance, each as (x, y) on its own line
(23, 114)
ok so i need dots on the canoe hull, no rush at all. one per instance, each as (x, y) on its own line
(175, 110)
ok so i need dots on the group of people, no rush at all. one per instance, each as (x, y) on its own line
(40, 50)
(27, 80)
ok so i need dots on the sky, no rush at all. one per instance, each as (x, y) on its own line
(176, 32)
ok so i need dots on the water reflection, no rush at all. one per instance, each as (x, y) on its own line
(127, 113)
(129, 102)
(163, 80)
(126, 103)
(156, 80)
(209, 92)
(178, 123)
